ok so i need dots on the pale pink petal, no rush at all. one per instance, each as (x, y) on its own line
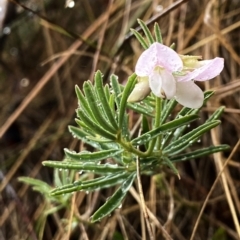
(158, 55)
(189, 94)
(168, 58)
(162, 84)
(168, 84)
(146, 62)
(209, 70)
(155, 83)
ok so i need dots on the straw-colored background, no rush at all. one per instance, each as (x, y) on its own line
(42, 59)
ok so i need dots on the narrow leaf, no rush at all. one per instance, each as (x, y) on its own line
(92, 156)
(171, 166)
(139, 38)
(83, 103)
(115, 200)
(94, 126)
(107, 91)
(102, 97)
(142, 109)
(86, 167)
(207, 95)
(199, 153)
(116, 88)
(94, 104)
(157, 33)
(37, 184)
(172, 46)
(123, 103)
(100, 143)
(112, 103)
(189, 138)
(168, 109)
(146, 32)
(216, 115)
(91, 185)
(82, 135)
(164, 128)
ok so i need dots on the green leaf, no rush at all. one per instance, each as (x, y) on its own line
(107, 91)
(103, 99)
(157, 33)
(139, 38)
(91, 185)
(163, 128)
(100, 143)
(37, 185)
(142, 109)
(57, 178)
(116, 88)
(168, 109)
(112, 103)
(82, 135)
(172, 46)
(145, 125)
(145, 128)
(99, 139)
(207, 95)
(216, 115)
(199, 153)
(92, 126)
(94, 104)
(83, 103)
(189, 138)
(86, 167)
(123, 103)
(92, 156)
(168, 162)
(115, 200)
(118, 99)
(146, 31)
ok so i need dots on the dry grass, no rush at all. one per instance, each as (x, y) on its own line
(37, 103)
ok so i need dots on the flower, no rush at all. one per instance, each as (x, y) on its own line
(157, 64)
(188, 93)
(170, 75)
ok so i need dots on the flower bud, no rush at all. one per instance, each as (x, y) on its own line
(140, 91)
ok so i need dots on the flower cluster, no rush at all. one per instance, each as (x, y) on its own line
(169, 75)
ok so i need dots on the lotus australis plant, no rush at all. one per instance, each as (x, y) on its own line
(162, 80)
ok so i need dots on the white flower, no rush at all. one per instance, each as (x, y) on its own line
(161, 66)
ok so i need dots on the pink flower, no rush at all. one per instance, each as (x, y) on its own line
(168, 77)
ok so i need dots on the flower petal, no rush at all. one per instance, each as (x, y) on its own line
(162, 84)
(189, 94)
(158, 55)
(168, 58)
(140, 91)
(155, 83)
(209, 70)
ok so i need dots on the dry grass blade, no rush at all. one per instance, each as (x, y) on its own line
(212, 188)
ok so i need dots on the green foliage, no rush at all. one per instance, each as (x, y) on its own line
(61, 178)
(102, 118)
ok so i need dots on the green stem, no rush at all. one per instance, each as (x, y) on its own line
(156, 124)
(129, 147)
(159, 139)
